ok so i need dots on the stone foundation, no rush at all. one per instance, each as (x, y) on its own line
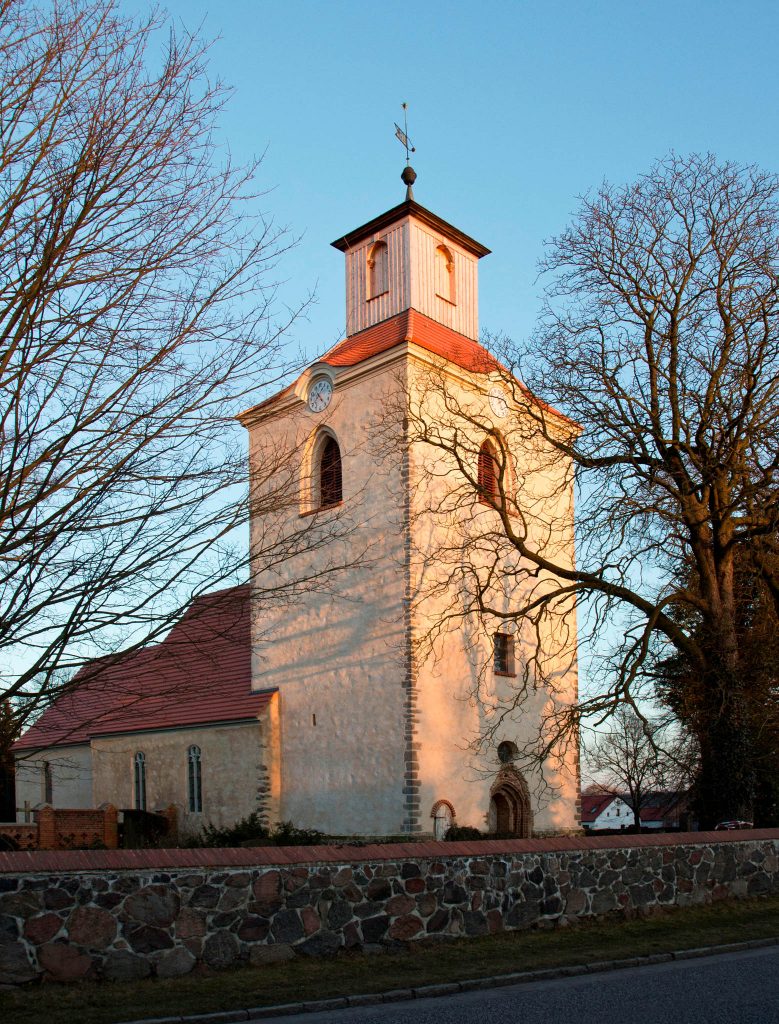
(131, 914)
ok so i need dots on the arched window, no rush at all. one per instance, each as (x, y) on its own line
(140, 781)
(194, 780)
(444, 274)
(489, 474)
(378, 270)
(443, 818)
(330, 480)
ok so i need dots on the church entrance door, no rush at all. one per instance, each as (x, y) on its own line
(510, 811)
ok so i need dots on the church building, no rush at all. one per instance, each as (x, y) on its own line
(367, 704)
(382, 714)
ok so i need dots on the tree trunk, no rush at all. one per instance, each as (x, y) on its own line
(725, 788)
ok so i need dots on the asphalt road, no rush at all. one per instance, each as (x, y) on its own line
(731, 988)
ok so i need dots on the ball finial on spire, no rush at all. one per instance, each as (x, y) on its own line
(408, 177)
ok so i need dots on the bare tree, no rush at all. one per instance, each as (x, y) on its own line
(659, 344)
(634, 759)
(136, 320)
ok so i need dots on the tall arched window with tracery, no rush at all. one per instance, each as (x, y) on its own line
(489, 474)
(140, 781)
(194, 780)
(378, 269)
(330, 476)
(444, 274)
(48, 784)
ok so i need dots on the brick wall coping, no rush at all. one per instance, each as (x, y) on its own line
(55, 861)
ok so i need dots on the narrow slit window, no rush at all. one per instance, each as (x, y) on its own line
(503, 654)
(195, 780)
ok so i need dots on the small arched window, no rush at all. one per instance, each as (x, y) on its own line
(444, 274)
(194, 780)
(443, 818)
(489, 475)
(140, 781)
(378, 270)
(330, 479)
(507, 752)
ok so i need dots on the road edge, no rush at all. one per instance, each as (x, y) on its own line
(453, 987)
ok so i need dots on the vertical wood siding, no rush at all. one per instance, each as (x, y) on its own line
(411, 254)
(361, 310)
(463, 316)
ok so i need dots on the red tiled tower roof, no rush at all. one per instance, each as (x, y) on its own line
(200, 674)
(411, 326)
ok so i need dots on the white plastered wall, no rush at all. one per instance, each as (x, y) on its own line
(71, 777)
(457, 689)
(336, 653)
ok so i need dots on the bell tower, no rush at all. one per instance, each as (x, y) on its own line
(369, 736)
(410, 258)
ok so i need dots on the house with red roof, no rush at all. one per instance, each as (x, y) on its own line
(666, 810)
(606, 811)
(355, 707)
(173, 723)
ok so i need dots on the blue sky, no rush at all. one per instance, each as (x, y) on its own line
(515, 109)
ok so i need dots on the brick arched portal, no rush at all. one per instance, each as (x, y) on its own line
(510, 813)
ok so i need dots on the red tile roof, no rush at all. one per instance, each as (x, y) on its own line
(414, 327)
(200, 674)
(595, 804)
(421, 330)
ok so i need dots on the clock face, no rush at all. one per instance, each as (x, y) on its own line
(498, 403)
(319, 394)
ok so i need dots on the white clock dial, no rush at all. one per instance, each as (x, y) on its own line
(498, 403)
(319, 395)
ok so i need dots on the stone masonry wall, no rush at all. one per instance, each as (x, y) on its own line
(131, 914)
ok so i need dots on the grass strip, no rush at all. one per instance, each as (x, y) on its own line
(426, 963)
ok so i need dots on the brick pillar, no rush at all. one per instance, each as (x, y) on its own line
(47, 828)
(171, 812)
(110, 827)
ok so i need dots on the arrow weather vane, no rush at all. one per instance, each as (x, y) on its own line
(402, 133)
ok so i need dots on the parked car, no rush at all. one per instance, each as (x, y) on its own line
(727, 826)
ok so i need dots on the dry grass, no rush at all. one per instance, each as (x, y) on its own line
(108, 1003)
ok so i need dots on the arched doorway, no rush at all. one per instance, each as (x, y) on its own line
(443, 818)
(510, 812)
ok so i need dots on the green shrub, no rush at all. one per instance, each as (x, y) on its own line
(250, 831)
(457, 832)
(245, 829)
(287, 834)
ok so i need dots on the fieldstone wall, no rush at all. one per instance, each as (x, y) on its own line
(131, 914)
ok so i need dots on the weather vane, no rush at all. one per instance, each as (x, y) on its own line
(402, 133)
(409, 174)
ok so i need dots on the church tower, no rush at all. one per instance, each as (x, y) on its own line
(370, 732)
